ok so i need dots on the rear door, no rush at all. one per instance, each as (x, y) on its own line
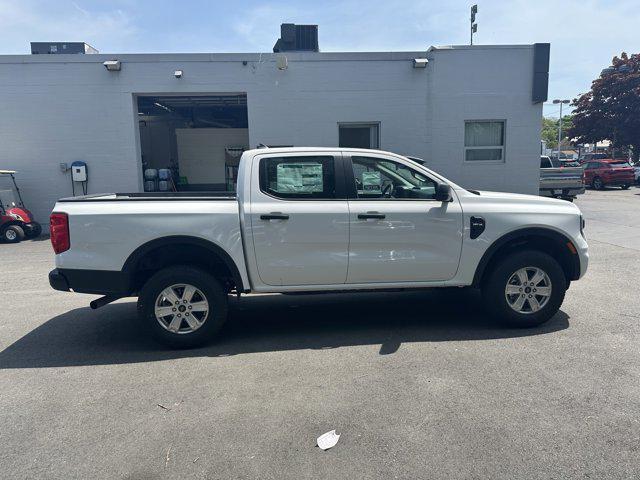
(299, 218)
(399, 232)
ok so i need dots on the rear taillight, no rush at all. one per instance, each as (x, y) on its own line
(59, 225)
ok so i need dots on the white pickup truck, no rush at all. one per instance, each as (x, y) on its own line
(316, 220)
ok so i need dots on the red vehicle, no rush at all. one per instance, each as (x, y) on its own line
(608, 173)
(16, 222)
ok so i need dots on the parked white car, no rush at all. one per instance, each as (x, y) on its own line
(316, 220)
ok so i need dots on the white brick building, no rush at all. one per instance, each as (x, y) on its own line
(57, 109)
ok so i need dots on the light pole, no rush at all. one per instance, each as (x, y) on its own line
(561, 102)
(474, 26)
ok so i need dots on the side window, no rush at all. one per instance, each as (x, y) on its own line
(484, 140)
(377, 178)
(304, 177)
(545, 162)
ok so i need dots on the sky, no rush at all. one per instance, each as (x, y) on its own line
(584, 34)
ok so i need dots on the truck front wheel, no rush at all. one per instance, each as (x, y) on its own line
(182, 306)
(525, 289)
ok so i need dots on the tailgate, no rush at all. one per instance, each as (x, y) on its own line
(557, 178)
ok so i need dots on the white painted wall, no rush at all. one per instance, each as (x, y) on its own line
(201, 152)
(61, 108)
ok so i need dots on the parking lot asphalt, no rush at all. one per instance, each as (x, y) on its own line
(419, 384)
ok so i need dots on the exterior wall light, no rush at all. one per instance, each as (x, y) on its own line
(420, 62)
(282, 62)
(178, 73)
(112, 65)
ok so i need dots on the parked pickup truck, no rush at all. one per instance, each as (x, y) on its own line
(316, 220)
(558, 180)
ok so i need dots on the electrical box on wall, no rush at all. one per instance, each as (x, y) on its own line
(79, 172)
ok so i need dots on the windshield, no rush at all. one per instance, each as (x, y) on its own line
(619, 164)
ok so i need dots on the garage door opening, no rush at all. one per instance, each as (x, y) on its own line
(192, 143)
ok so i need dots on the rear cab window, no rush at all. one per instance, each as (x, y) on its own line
(299, 177)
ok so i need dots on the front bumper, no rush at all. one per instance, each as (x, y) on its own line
(583, 254)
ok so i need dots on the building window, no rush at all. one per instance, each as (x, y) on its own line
(359, 135)
(484, 141)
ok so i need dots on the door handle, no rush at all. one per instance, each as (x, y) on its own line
(376, 215)
(274, 216)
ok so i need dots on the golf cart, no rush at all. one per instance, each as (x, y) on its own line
(16, 222)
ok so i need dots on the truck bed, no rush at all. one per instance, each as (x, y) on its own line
(566, 181)
(106, 229)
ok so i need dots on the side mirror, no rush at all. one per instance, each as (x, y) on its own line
(443, 192)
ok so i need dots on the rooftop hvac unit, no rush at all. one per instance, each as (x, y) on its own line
(61, 48)
(297, 38)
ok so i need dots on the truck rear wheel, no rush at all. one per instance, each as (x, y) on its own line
(182, 306)
(525, 289)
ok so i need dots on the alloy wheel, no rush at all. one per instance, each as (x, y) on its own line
(528, 290)
(181, 308)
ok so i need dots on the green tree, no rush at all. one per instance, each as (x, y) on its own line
(611, 110)
(550, 131)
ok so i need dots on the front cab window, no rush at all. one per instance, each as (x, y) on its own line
(378, 178)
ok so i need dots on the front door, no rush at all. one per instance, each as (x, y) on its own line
(399, 232)
(299, 219)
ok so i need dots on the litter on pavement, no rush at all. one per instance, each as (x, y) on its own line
(328, 440)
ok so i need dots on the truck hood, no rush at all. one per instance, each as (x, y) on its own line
(521, 199)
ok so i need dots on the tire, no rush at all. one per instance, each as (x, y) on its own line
(162, 328)
(35, 231)
(597, 183)
(13, 234)
(625, 187)
(502, 277)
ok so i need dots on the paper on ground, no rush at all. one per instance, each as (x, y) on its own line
(328, 440)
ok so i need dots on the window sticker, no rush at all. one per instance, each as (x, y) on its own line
(299, 178)
(371, 182)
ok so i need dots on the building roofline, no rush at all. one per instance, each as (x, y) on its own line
(478, 47)
(240, 57)
(211, 57)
